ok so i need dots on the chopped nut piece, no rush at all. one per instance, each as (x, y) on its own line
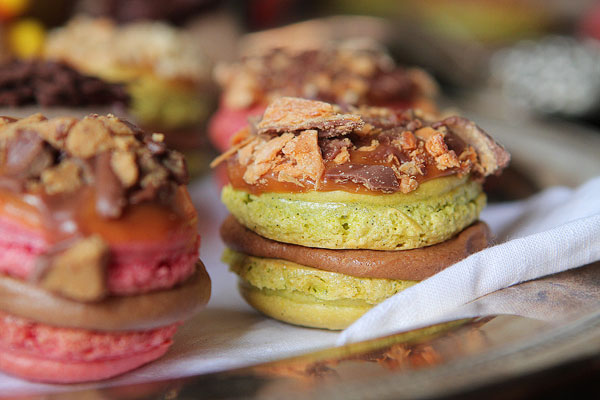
(374, 144)
(79, 272)
(115, 125)
(410, 168)
(124, 166)
(425, 133)
(409, 141)
(64, 178)
(408, 184)
(447, 160)
(87, 138)
(158, 137)
(435, 145)
(125, 143)
(55, 130)
(366, 130)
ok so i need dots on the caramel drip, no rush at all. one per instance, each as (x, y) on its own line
(63, 217)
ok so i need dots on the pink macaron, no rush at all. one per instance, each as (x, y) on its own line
(98, 248)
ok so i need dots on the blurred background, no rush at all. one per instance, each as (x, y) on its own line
(510, 60)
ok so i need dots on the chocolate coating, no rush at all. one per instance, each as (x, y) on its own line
(125, 313)
(411, 265)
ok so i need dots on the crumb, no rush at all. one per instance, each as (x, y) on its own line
(64, 178)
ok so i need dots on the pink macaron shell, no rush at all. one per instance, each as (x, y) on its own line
(40, 352)
(226, 122)
(139, 268)
(19, 248)
(134, 268)
(54, 371)
(27, 337)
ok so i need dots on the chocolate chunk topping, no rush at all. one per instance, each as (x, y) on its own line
(25, 156)
(373, 177)
(110, 199)
(49, 83)
(332, 147)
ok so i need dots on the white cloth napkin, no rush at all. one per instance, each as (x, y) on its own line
(553, 231)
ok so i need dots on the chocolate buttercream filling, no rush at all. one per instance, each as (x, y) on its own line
(124, 313)
(412, 265)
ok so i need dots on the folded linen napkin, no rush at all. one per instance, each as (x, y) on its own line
(554, 231)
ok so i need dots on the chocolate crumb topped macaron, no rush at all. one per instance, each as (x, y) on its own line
(334, 210)
(98, 248)
(352, 72)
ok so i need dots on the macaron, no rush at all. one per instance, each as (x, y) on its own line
(351, 72)
(98, 250)
(334, 209)
(165, 72)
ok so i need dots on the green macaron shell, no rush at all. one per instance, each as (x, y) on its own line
(298, 281)
(434, 212)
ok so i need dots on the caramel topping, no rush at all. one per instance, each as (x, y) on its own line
(148, 221)
(301, 145)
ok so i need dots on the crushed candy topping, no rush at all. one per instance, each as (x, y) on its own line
(311, 144)
(349, 72)
(60, 155)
